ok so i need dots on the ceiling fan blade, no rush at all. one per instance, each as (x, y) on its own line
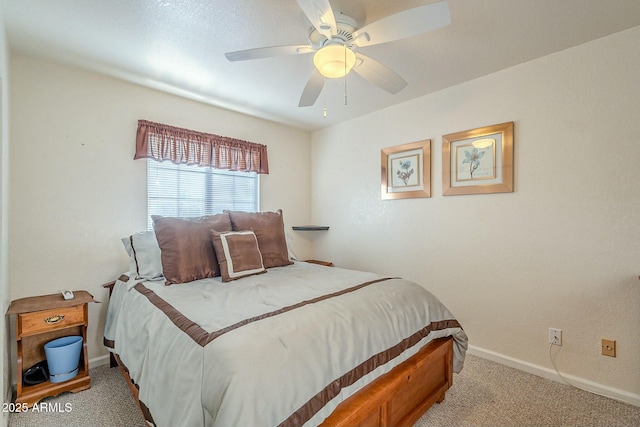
(379, 74)
(312, 89)
(268, 52)
(320, 15)
(404, 24)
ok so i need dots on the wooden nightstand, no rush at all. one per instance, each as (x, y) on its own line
(40, 320)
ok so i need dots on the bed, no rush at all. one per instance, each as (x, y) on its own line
(285, 345)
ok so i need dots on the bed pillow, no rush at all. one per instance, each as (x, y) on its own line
(238, 254)
(144, 255)
(185, 246)
(269, 230)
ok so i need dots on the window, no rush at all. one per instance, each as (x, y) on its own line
(186, 190)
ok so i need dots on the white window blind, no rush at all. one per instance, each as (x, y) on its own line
(188, 191)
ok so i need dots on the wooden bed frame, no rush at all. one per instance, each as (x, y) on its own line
(398, 398)
(403, 395)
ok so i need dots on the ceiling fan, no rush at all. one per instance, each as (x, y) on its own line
(336, 38)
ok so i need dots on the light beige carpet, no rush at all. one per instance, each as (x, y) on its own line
(486, 393)
(108, 403)
(483, 394)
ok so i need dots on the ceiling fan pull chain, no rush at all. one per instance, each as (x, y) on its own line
(324, 98)
(345, 74)
(345, 90)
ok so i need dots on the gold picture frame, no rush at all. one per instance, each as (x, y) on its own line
(406, 171)
(478, 161)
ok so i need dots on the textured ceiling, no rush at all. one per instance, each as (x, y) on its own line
(179, 45)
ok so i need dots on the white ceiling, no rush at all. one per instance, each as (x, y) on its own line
(179, 45)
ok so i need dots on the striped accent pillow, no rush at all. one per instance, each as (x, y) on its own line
(238, 254)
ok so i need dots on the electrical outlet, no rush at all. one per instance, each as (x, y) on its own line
(555, 336)
(608, 348)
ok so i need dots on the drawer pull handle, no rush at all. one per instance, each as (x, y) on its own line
(52, 320)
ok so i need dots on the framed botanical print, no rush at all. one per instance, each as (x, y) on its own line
(478, 161)
(406, 171)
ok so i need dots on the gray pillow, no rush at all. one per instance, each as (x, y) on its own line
(145, 261)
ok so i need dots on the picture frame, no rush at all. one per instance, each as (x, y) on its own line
(478, 161)
(406, 171)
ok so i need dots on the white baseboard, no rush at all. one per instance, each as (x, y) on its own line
(99, 361)
(541, 371)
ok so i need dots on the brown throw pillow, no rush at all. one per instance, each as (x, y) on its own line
(238, 254)
(269, 229)
(185, 244)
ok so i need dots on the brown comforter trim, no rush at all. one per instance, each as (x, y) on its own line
(318, 401)
(189, 327)
(108, 343)
(202, 337)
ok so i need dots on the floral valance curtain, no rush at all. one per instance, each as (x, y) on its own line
(183, 146)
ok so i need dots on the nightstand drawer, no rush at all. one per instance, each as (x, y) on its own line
(47, 320)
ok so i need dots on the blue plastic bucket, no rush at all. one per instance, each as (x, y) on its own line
(63, 356)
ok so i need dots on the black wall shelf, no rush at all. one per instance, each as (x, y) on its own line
(310, 227)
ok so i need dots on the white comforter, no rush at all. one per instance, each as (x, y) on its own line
(281, 348)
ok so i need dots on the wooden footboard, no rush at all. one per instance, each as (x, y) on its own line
(403, 395)
(398, 398)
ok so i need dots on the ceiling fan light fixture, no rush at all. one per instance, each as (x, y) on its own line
(334, 61)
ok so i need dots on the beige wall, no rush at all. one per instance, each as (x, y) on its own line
(76, 190)
(4, 217)
(562, 251)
